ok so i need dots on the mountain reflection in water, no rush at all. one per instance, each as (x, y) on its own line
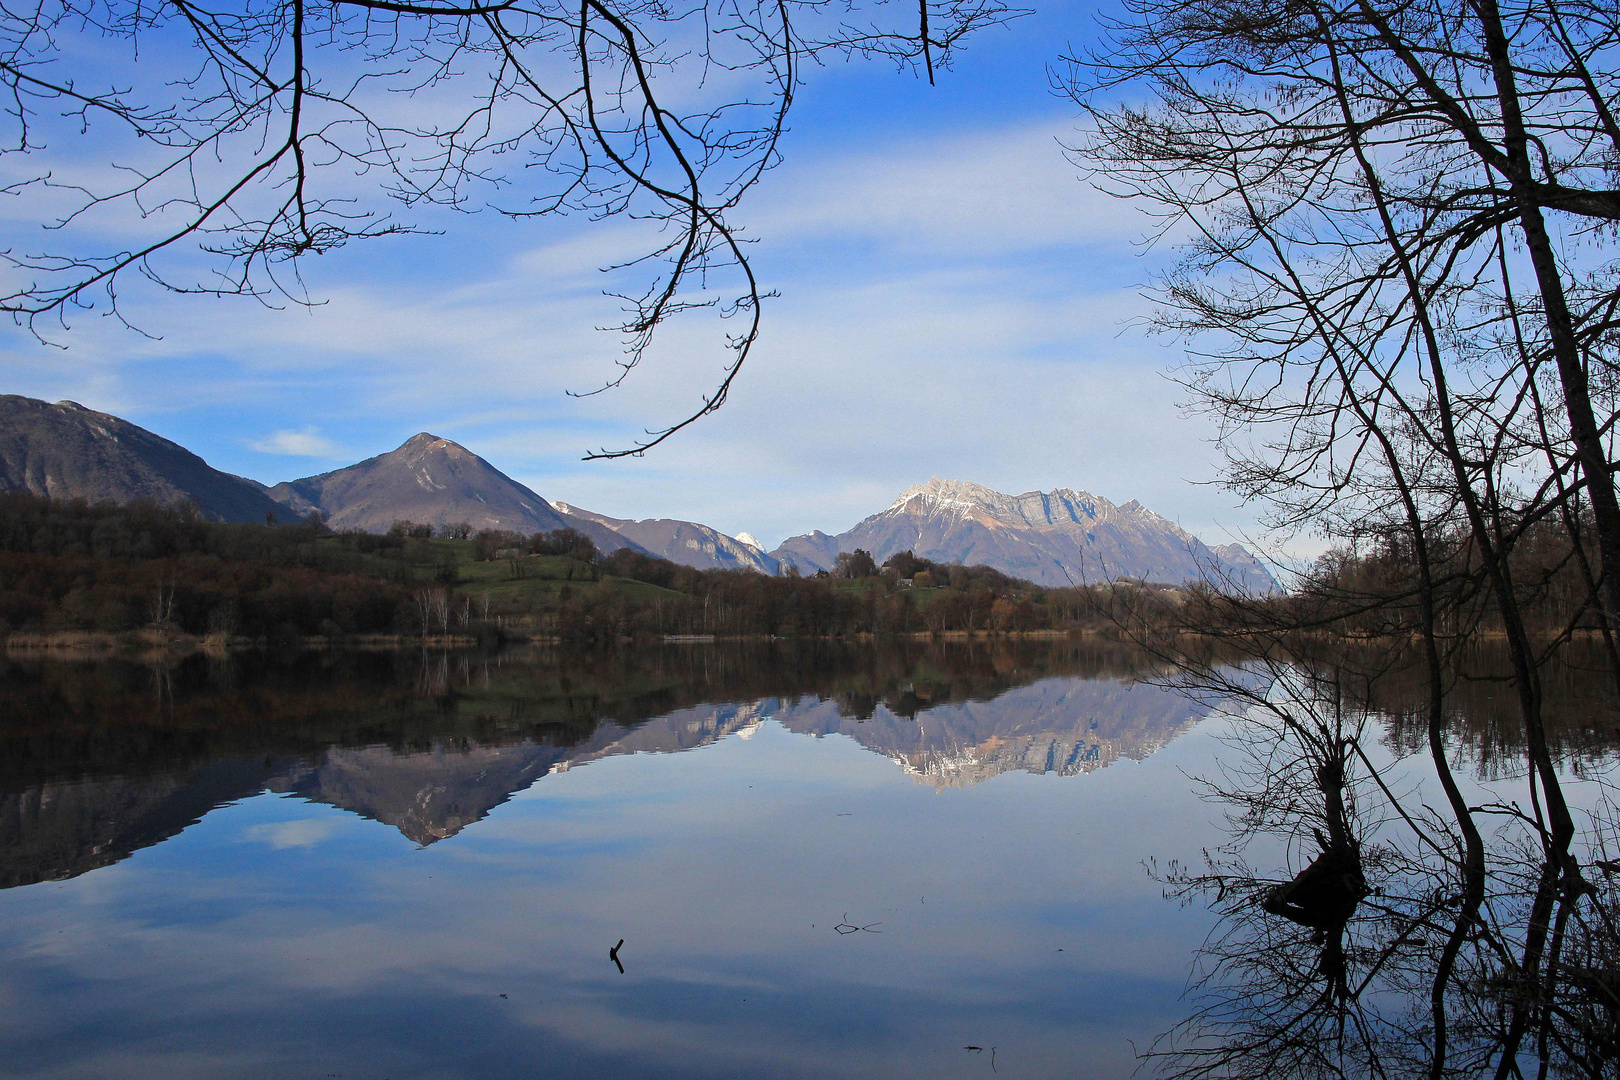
(100, 760)
(963, 867)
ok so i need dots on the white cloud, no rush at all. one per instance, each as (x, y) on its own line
(977, 193)
(306, 442)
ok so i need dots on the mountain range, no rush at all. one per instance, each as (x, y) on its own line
(1054, 538)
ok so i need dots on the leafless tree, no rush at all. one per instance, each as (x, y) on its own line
(1394, 944)
(1399, 284)
(160, 610)
(1433, 184)
(208, 149)
(1350, 273)
(433, 610)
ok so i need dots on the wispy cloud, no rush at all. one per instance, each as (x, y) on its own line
(978, 193)
(305, 442)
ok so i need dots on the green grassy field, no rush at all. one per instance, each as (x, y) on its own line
(542, 581)
(547, 592)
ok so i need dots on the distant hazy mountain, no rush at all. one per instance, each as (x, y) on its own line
(66, 451)
(1241, 560)
(1052, 538)
(430, 481)
(684, 542)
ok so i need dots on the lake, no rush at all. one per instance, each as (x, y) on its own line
(909, 860)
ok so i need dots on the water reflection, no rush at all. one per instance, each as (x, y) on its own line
(60, 829)
(879, 857)
(1431, 897)
(98, 763)
(1065, 726)
(276, 932)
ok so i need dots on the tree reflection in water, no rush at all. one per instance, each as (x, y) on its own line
(1436, 927)
(95, 765)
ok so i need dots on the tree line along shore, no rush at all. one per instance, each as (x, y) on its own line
(142, 573)
(74, 574)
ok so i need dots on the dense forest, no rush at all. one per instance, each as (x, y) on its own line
(68, 566)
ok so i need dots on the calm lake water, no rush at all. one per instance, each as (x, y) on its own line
(863, 862)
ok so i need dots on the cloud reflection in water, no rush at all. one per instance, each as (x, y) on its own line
(276, 936)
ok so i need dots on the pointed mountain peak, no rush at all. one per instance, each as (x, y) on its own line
(1135, 507)
(425, 445)
(428, 480)
(747, 539)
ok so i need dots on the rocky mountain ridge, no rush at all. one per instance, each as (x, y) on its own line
(1053, 538)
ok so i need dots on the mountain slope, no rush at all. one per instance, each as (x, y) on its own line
(430, 481)
(684, 542)
(66, 451)
(1052, 538)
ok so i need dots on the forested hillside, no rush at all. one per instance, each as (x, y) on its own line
(69, 566)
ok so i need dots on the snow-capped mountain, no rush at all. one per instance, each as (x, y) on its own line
(1054, 538)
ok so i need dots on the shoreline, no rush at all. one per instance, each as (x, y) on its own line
(148, 642)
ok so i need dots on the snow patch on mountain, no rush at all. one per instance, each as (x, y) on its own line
(1060, 537)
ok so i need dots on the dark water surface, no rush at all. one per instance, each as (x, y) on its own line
(864, 862)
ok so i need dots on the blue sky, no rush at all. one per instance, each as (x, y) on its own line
(955, 301)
